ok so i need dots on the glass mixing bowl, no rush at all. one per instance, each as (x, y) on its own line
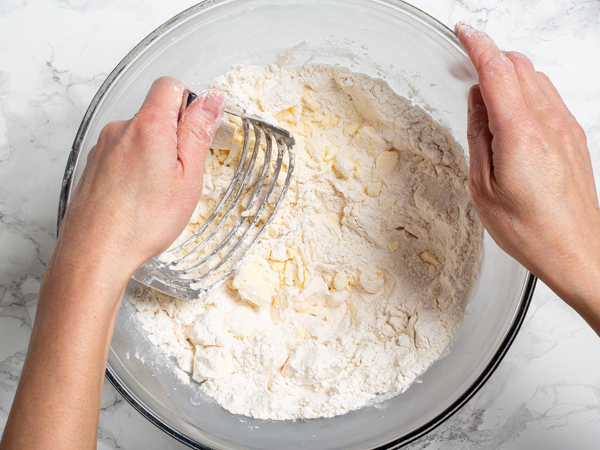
(423, 61)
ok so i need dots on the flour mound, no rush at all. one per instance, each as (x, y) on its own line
(363, 276)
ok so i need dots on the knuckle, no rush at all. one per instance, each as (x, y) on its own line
(566, 128)
(498, 64)
(519, 59)
(165, 81)
(150, 129)
(528, 127)
(92, 153)
(521, 127)
(579, 133)
(110, 131)
(149, 117)
(531, 134)
(166, 85)
(147, 122)
(560, 124)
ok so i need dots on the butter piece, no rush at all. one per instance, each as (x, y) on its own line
(329, 121)
(351, 129)
(310, 100)
(329, 154)
(386, 162)
(212, 363)
(207, 329)
(429, 258)
(255, 281)
(343, 166)
(368, 139)
(374, 188)
(340, 281)
(372, 281)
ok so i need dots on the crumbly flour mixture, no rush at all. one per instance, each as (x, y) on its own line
(363, 277)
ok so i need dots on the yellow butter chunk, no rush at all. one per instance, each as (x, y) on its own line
(386, 161)
(337, 298)
(258, 86)
(343, 166)
(429, 258)
(372, 281)
(316, 151)
(387, 204)
(239, 136)
(309, 100)
(351, 129)
(291, 115)
(366, 138)
(329, 154)
(288, 274)
(299, 270)
(340, 281)
(278, 266)
(319, 311)
(273, 230)
(255, 281)
(279, 253)
(358, 172)
(222, 155)
(280, 308)
(374, 188)
(328, 122)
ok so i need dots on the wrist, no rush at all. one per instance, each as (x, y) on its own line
(106, 259)
(575, 277)
(86, 274)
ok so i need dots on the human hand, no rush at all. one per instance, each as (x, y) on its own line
(530, 176)
(138, 190)
(142, 180)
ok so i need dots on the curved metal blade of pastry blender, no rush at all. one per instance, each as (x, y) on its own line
(216, 249)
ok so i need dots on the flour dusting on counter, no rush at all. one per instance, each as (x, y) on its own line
(362, 278)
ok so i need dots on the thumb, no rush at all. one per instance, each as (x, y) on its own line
(480, 145)
(195, 131)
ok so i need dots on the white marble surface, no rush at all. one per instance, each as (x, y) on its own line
(54, 54)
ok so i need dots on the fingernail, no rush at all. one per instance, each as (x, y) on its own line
(475, 98)
(213, 104)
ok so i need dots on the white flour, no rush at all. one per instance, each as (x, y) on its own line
(362, 278)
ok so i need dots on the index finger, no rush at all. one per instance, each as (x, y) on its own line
(156, 121)
(163, 100)
(498, 80)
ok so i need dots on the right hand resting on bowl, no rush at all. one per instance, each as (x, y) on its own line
(531, 177)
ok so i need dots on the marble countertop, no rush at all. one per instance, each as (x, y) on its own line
(54, 54)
